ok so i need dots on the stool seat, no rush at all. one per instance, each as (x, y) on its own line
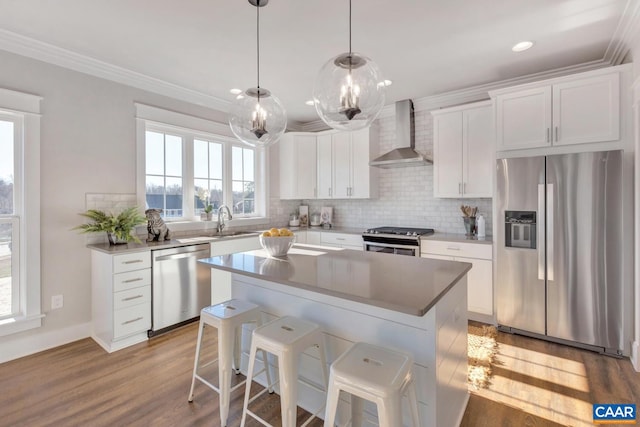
(286, 338)
(373, 373)
(228, 318)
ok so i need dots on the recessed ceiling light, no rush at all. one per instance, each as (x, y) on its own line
(236, 91)
(310, 102)
(388, 82)
(522, 46)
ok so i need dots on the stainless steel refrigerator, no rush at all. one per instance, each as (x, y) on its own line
(559, 248)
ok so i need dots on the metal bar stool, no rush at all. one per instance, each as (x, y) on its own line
(377, 374)
(228, 318)
(285, 338)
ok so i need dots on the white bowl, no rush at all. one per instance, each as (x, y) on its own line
(277, 246)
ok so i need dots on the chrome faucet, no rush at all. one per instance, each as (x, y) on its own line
(221, 223)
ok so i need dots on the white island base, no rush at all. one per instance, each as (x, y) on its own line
(437, 340)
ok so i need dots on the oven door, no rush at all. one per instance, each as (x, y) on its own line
(390, 248)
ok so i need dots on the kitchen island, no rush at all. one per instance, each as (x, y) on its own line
(414, 304)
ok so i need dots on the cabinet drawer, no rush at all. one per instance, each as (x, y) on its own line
(456, 249)
(131, 297)
(132, 261)
(341, 239)
(131, 320)
(131, 279)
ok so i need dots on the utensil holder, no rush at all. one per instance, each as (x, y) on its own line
(469, 225)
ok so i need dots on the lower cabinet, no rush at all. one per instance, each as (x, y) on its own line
(221, 280)
(341, 240)
(121, 298)
(479, 278)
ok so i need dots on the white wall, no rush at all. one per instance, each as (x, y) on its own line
(87, 146)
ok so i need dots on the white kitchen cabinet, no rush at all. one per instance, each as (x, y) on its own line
(343, 164)
(120, 298)
(341, 240)
(324, 167)
(463, 139)
(298, 164)
(577, 109)
(479, 278)
(313, 237)
(221, 280)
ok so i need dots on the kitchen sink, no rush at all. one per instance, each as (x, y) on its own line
(234, 234)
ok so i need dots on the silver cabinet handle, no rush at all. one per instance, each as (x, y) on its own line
(547, 134)
(340, 238)
(132, 320)
(132, 298)
(133, 261)
(459, 188)
(453, 248)
(556, 133)
(330, 192)
(464, 187)
(137, 279)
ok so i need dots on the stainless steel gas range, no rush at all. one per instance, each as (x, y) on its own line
(394, 240)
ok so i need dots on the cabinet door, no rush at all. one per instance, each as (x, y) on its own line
(447, 154)
(524, 119)
(306, 161)
(360, 169)
(478, 152)
(288, 166)
(325, 169)
(479, 286)
(341, 152)
(587, 110)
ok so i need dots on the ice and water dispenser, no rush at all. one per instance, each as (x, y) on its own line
(520, 229)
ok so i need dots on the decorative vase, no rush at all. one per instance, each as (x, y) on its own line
(206, 216)
(114, 240)
(469, 225)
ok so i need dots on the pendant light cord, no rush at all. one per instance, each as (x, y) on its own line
(349, 27)
(258, 41)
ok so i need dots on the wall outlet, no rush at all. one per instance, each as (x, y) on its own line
(57, 301)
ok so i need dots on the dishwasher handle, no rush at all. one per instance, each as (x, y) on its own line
(197, 254)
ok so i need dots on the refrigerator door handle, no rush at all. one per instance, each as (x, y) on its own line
(550, 240)
(540, 230)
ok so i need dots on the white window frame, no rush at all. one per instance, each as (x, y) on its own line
(24, 109)
(190, 128)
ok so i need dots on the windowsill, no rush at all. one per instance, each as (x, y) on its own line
(197, 225)
(19, 324)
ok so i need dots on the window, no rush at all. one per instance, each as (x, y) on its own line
(207, 174)
(243, 184)
(186, 163)
(164, 173)
(20, 307)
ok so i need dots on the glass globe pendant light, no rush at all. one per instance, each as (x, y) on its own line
(349, 90)
(257, 117)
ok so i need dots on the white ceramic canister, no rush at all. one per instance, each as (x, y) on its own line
(480, 223)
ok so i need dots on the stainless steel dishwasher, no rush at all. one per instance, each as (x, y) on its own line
(181, 286)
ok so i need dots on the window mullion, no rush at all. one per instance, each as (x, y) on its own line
(188, 177)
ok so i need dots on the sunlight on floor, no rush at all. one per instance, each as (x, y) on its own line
(547, 386)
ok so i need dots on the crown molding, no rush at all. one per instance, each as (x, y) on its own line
(626, 31)
(46, 52)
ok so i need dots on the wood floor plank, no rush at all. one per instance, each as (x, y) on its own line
(535, 384)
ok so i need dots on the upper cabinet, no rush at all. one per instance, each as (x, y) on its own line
(298, 164)
(578, 109)
(463, 151)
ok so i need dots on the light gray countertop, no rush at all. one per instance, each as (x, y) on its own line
(462, 238)
(404, 284)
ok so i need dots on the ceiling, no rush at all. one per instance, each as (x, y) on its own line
(426, 47)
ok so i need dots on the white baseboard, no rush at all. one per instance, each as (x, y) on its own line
(34, 343)
(635, 355)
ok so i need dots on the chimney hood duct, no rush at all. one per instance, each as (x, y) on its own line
(405, 154)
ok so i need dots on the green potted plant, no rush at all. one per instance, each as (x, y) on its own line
(203, 195)
(118, 227)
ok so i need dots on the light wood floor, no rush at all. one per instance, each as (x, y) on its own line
(535, 384)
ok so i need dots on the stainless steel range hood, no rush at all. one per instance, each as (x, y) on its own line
(405, 154)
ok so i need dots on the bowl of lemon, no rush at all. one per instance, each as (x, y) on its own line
(277, 242)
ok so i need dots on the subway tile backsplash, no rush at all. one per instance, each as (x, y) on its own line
(405, 194)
